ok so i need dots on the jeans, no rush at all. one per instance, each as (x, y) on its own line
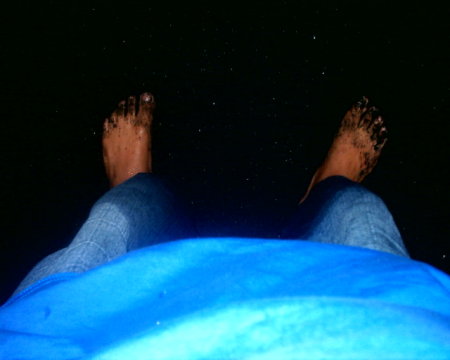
(142, 212)
(340, 211)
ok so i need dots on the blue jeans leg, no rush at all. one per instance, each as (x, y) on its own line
(140, 212)
(340, 211)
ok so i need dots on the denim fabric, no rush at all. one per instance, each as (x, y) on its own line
(142, 212)
(138, 213)
(340, 211)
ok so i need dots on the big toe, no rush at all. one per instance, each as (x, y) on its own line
(360, 106)
(362, 103)
(146, 103)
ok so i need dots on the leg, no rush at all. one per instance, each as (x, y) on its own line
(336, 208)
(340, 211)
(138, 211)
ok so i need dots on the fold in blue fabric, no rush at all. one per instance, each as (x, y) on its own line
(234, 299)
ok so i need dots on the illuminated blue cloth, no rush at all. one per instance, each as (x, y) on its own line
(103, 298)
(234, 299)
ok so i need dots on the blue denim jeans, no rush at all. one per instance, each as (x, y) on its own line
(142, 212)
(340, 211)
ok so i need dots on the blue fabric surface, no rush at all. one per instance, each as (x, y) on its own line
(234, 299)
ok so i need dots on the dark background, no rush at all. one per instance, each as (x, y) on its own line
(249, 97)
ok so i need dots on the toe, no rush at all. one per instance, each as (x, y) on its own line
(375, 127)
(365, 120)
(381, 138)
(147, 98)
(106, 126)
(132, 106)
(146, 103)
(379, 147)
(369, 118)
(120, 111)
(358, 110)
(375, 112)
(361, 105)
(110, 124)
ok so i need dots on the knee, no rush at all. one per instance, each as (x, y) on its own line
(355, 201)
(359, 196)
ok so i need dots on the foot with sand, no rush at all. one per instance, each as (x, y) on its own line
(127, 139)
(356, 147)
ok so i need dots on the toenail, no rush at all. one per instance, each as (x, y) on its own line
(147, 98)
(363, 102)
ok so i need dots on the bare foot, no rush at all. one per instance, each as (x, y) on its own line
(356, 147)
(127, 139)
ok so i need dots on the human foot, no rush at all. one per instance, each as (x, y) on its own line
(356, 147)
(127, 139)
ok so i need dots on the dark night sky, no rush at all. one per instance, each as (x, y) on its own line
(249, 98)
